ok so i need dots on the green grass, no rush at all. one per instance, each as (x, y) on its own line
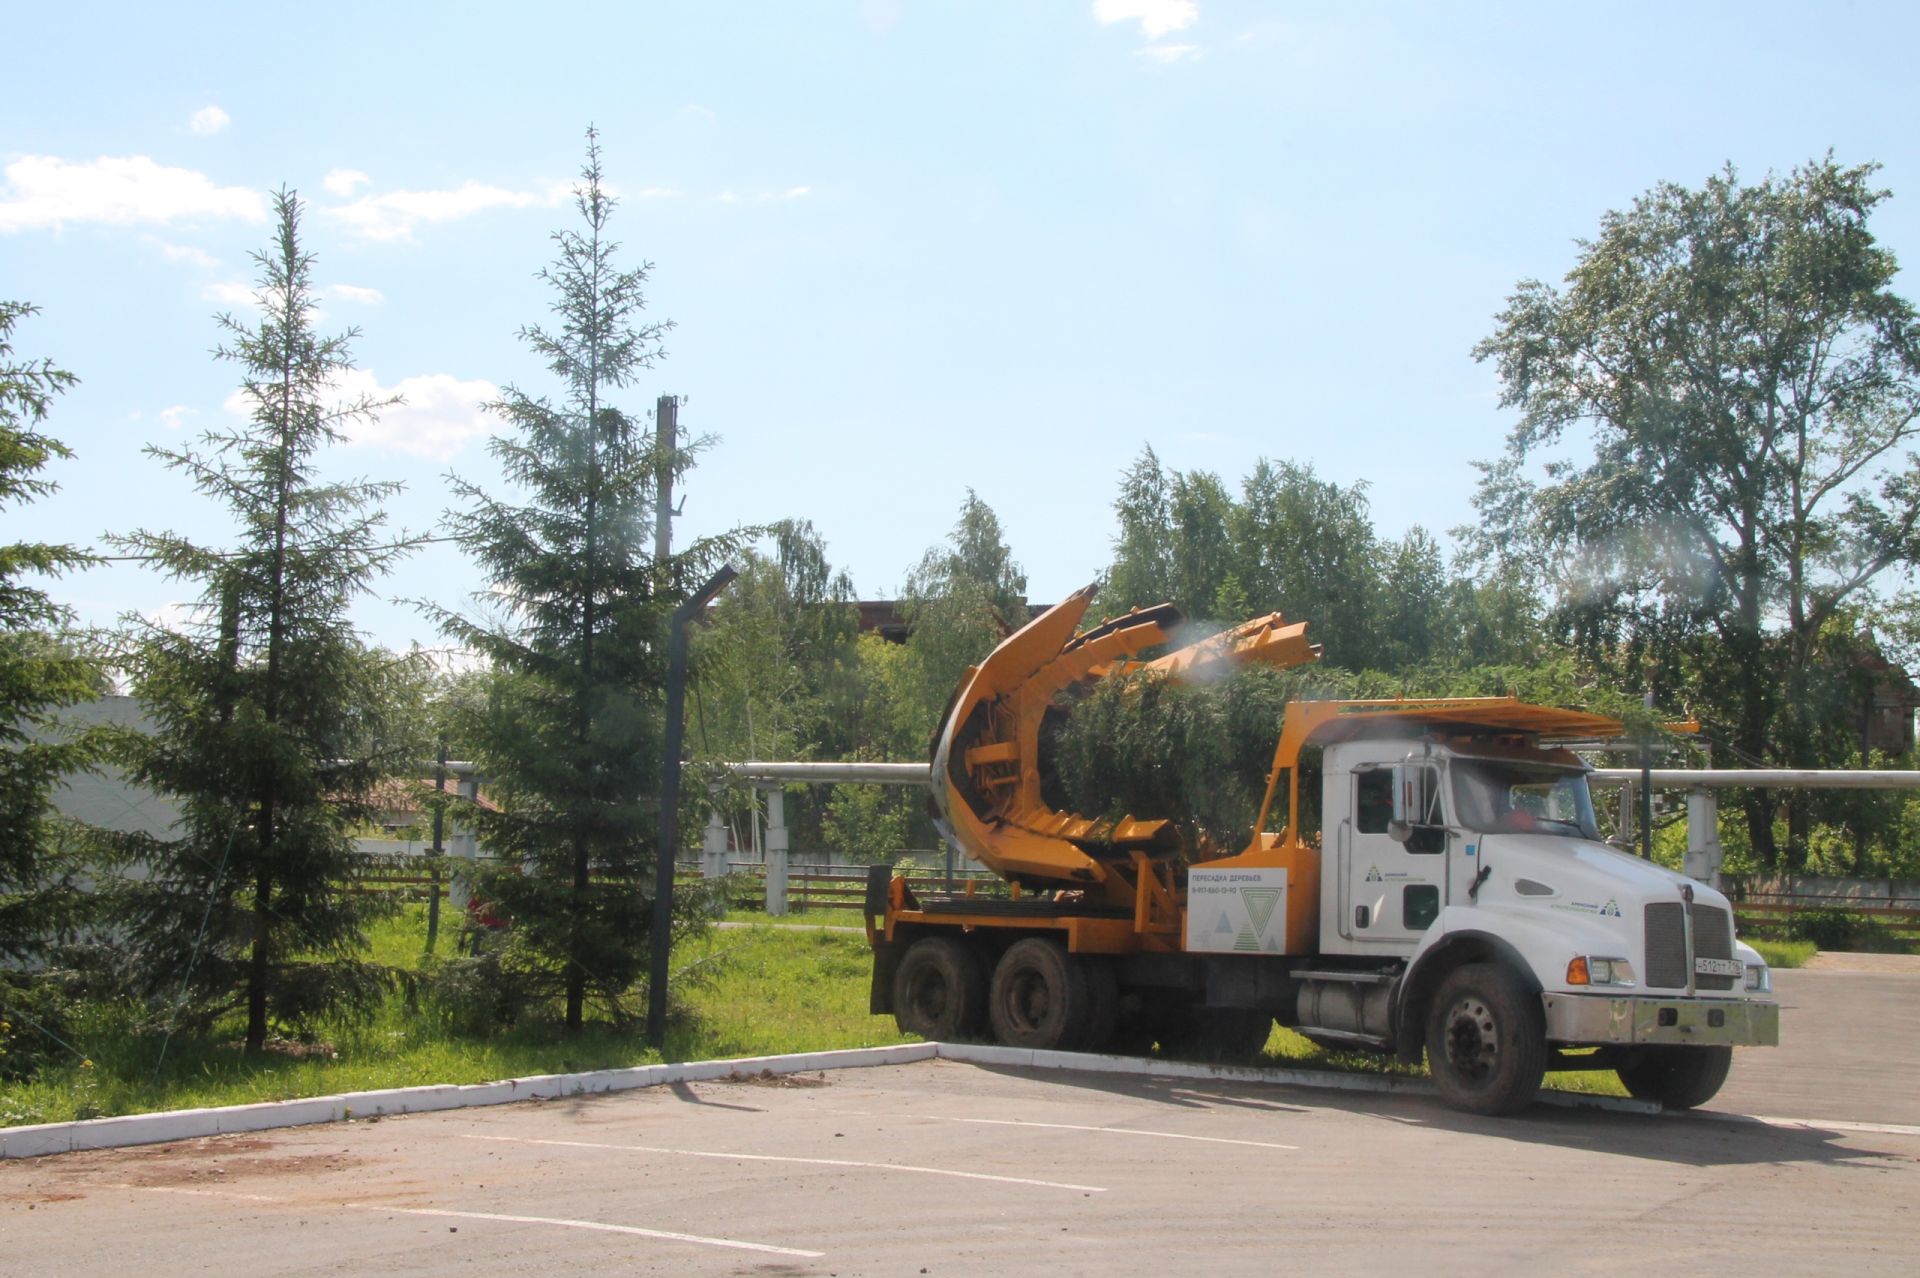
(740, 991)
(763, 989)
(1782, 953)
(808, 918)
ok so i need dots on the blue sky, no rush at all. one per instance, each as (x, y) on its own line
(910, 248)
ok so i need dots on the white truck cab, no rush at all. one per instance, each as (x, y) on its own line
(1482, 856)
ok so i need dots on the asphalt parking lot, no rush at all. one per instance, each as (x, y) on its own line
(947, 1168)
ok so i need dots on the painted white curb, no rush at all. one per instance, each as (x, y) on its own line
(186, 1124)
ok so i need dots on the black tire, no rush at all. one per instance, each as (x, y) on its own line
(939, 991)
(1486, 1040)
(1676, 1077)
(1041, 997)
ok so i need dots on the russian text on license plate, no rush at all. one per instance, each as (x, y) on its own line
(1716, 967)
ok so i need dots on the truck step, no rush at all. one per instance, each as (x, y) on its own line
(1348, 978)
(1320, 1035)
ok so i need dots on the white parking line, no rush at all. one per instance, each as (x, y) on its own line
(785, 1158)
(599, 1226)
(1109, 1131)
(1803, 1124)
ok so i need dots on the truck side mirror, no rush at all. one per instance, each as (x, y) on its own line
(1409, 797)
(1399, 831)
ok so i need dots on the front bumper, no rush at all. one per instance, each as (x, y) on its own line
(1587, 1019)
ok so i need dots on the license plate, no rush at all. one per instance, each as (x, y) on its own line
(1716, 967)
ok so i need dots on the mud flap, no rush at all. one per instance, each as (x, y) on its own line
(886, 957)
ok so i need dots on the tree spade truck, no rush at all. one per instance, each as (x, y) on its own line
(1435, 884)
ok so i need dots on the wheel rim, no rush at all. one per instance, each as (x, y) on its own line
(1473, 1040)
(1028, 1000)
(927, 996)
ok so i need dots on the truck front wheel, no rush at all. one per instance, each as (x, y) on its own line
(1486, 1040)
(939, 991)
(1676, 1077)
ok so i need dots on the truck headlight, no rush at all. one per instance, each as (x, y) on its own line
(1759, 978)
(1589, 970)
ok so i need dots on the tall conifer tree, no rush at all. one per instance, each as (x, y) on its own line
(38, 674)
(272, 723)
(571, 740)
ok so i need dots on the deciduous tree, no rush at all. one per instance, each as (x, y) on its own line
(1728, 388)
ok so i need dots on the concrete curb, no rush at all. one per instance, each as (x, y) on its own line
(187, 1124)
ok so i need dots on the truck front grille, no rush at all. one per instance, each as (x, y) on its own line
(1712, 938)
(1667, 945)
(1667, 959)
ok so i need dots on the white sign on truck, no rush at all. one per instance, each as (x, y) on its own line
(1237, 911)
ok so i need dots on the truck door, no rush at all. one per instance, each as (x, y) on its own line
(1394, 888)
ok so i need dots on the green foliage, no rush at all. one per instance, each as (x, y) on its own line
(1149, 746)
(867, 824)
(774, 665)
(1781, 954)
(570, 736)
(1750, 385)
(960, 601)
(1152, 747)
(39, 674)
(272, 723)
(1834, 928)
(1299, 545)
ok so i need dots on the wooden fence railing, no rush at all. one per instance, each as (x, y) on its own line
(842, 890)
(1902, 922)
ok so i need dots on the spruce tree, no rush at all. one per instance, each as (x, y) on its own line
(575, 634)
(272, 721)
(39, 672)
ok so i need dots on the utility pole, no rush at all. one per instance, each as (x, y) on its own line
(669, 842)
(666, 441)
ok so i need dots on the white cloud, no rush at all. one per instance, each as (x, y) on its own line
(175, 416)
(441, 415)
(341, 182)
(354, 293)
(395, 214)
(209, 120)
(1156, 17)
(185, 253)
(229, 293)
(46, 192)
(699, 112)
(1170, 53)
(796, 192)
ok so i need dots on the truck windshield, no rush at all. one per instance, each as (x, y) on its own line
(1500, 797)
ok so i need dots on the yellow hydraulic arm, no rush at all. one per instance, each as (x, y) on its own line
(986, 767)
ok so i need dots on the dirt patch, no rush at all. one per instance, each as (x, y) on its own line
(1892, 964)
(767, 1078)
(212, 1160)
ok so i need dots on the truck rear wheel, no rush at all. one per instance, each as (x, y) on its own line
(1042, 997)
(939, 990)
(1486, 1040)
(1676, 1077)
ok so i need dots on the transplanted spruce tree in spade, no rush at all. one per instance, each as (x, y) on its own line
(570, 740)
(272, 723)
